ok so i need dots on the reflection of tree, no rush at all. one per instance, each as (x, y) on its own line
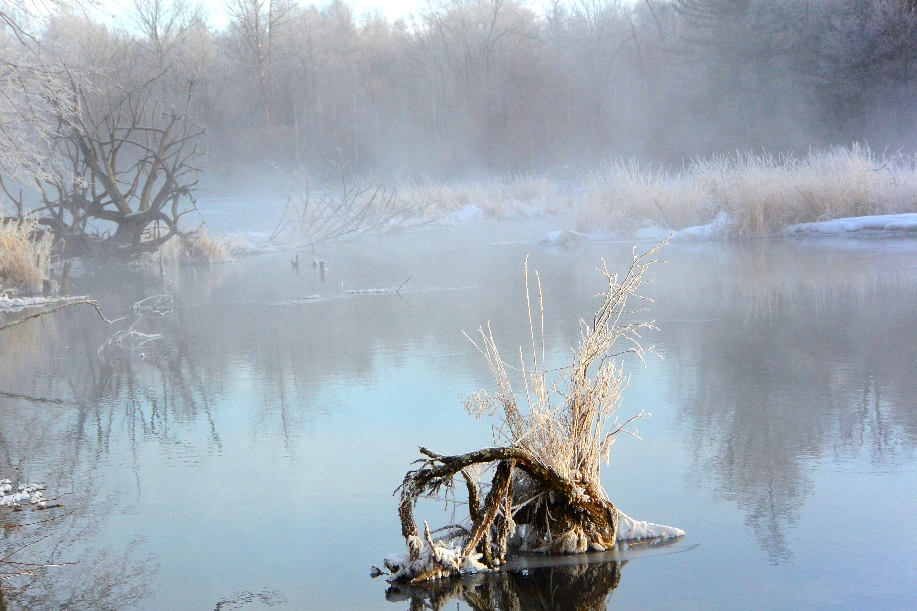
(102, 581)
(577, 587)
(793, 360)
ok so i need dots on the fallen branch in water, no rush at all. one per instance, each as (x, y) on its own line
(25, 494)
(142, 310)
(69, 304)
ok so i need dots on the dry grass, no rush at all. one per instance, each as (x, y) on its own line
(566, 423)
(762, 194)
(23, 258)
(200, 247)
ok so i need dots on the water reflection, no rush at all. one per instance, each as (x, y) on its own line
(791, 359)
(578, 587)
(778, 359)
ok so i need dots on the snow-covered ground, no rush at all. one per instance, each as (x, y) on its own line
(719, 228)
(15, 304)
(889, 223)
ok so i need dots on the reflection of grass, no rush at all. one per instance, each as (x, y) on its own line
(23, 256)
(762, 193)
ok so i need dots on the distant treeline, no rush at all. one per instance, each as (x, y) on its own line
(492, 86)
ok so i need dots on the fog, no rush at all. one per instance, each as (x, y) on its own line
(461, 89)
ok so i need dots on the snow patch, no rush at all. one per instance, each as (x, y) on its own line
(896, 223)
(440, 554)
(26, 494)
(630, 529)
(467, 213)
(716, 228)
(565, 237)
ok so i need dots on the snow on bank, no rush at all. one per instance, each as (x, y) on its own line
(892, 223)
(15, 304)
(719, 228)
(568, 236)
(716, 228)
(467, 213)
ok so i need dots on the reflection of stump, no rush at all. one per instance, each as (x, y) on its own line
(581, 587)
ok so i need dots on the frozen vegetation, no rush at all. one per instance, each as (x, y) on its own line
(748, 195)
(545, 494)
(24, 256)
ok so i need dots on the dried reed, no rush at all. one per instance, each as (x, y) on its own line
(762, 194)
(24, 254)
(547, 456)
(565, 422)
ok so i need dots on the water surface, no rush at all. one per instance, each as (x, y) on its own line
(248, 457)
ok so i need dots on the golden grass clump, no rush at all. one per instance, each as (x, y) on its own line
(200, 247)
(762, 194)
(564, 424)
(23, 256)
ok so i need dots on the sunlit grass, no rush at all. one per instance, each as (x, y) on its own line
(762, 194)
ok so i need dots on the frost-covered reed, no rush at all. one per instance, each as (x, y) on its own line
(519, 196)
(762, 194)
(567, 423)
(24, 254)
(201, 247)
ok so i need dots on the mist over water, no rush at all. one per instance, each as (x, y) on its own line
(303, 209)
(250, 454)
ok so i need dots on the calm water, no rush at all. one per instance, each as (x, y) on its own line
(248, 457)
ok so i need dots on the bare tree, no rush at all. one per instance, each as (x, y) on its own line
(29, 83)
(254, 23)
(166, 24)
(126, 168)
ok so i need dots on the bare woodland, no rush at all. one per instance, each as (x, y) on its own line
(467, 86)
(104, 128)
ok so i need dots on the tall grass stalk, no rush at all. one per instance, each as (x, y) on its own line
(567, 423)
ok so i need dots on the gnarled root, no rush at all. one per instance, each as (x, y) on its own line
(560, 515)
